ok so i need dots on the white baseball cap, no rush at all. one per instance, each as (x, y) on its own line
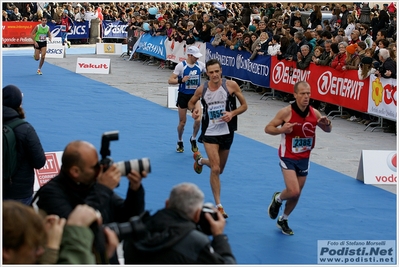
(193, 50)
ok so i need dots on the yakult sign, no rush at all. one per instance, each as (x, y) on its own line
(93, 65)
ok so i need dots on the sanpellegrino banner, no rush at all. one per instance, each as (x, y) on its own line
(15, 32)
(239, 66)
(114, 29)
(342, 88)
(383, 97)
(152, 46)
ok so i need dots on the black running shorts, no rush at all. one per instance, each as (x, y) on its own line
(224, 141)
(41, 45)
(182, 100)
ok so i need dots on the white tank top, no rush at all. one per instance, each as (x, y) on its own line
(216, 102)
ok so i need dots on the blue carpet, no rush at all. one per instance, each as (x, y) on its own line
(65, 106)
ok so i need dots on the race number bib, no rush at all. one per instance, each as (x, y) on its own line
(192, 83)
(215, 113)
(300, 145)
(63, 28)
(42, 37)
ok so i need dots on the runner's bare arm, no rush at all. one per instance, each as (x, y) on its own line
(197, 95)
(234, 88)
(33, 34)
(283, 115)
(323, 122)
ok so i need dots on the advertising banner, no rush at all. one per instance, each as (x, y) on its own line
(152, 46)
(114, 29)
(342, 88)
(177, 51)
(16, 32)
(49, 170)
(79, 30)
(383, 97)
(239, 66)
(378, 167)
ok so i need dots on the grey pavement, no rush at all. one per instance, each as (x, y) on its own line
(339, 150)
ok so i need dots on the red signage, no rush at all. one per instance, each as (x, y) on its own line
(342, 88)
(15, 32)
(49, 170)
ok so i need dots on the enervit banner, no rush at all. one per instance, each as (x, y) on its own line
(383, 97)
(49, 170)
(342, 88)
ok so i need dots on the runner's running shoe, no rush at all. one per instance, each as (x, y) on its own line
(274, 207)
(194, 146)
(221, 210)
(197, 156)
(180, 147)
(39, 72)
(283, 225)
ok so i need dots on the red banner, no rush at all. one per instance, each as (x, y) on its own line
(342, 88)
(15, 32)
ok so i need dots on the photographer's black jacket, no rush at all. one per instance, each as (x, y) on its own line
(174, 239)
(30, 156)
(61, 195)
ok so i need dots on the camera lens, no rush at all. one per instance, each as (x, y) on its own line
(134, 164)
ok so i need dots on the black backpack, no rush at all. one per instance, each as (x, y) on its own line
(10, 149)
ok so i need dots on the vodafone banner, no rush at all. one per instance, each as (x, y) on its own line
(383, 97)
(342, 88)
(49, 170)
(93, 65)
(378, 167)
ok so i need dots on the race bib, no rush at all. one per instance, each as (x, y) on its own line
(42, 37)
(215, 113)
(63, 28)
(300, 145)
(192, 83)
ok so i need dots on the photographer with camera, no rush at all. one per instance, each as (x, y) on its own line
(83, 180)
(173, 236)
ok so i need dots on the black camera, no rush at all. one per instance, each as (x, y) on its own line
(125, 167)
(134, 228)
(203, 224)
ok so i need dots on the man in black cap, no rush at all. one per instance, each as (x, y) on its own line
(30, 155)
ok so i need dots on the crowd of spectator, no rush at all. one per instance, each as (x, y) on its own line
(259, 28)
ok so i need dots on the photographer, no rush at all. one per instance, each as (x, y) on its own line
(173, 237)
(82, 180)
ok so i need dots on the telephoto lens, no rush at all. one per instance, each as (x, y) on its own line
(139, 165)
